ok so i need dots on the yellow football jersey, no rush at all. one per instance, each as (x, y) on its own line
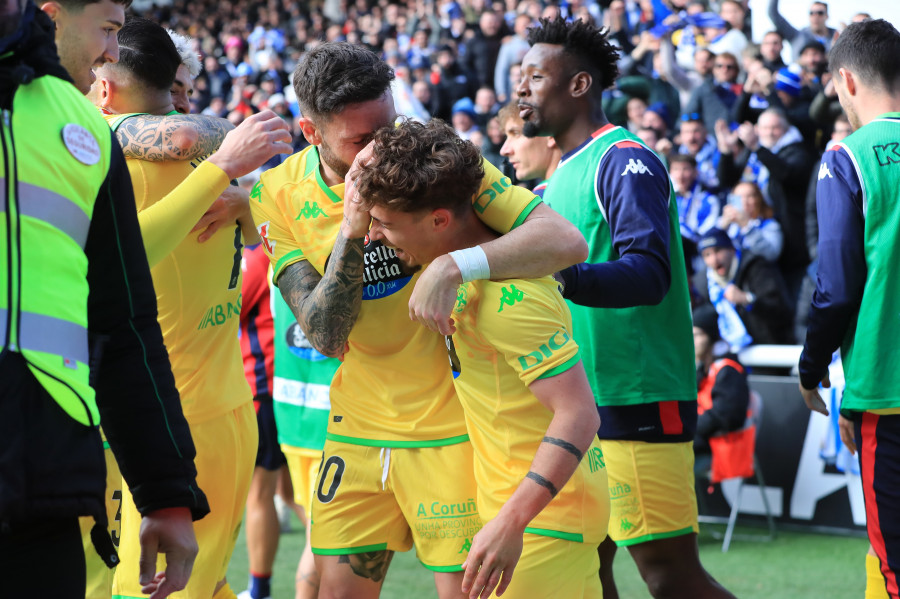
(198, 293)
(394, 388)
(509, 334)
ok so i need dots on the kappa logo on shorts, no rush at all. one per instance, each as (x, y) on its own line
(625, 525)
(467, 544)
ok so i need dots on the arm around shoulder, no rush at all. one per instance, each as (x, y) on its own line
(161, 138)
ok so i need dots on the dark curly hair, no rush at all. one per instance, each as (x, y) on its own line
(333, 75)
(585, 43)
(421, 166)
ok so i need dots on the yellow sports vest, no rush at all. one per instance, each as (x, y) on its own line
(56, 151)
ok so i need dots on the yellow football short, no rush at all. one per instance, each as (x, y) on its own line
(303, 464)
(226, 453)
(372, 499)
(553, 568)
(99, 577)
(651, 490)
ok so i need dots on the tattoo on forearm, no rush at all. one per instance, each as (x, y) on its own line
(153, 137)
(372, 564)
(563, 444)
(327, 306)
(543, 482)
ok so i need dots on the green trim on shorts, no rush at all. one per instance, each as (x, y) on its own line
(128, 597)
(458, 568)
(398, 444)
(527, 211)
(105, 445)
(556, 534)
(570, 363)
(655, 537)
(350, 550)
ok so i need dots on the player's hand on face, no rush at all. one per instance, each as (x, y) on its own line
(356, 218)
(226, 210)
(170, 532)
(251, 143)
(495, 551)
(434, 295)
(813, 400)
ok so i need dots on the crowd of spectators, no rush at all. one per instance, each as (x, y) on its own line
(741, 124)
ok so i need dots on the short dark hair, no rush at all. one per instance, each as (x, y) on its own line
(421, 166)
(148, 53)
(335, 74)
(869, 49)
(587, 44)
(78, 5)
(684, 159)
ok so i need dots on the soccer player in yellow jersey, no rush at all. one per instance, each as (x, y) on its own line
(397, 467)
(529, 409)
(198, 292)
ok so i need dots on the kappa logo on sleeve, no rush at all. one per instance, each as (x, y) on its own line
(636, 167)
(824, 173)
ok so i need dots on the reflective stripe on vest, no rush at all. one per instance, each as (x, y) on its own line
(54, 209)
(39, 332)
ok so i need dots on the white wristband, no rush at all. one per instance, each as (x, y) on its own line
(472, 263)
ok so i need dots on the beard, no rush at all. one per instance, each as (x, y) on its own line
(530, 129)
(340, 167)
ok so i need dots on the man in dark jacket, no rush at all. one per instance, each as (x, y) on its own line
(747, 292)
(775, 157)
(453, 83)
(482, 50)
(52, 464)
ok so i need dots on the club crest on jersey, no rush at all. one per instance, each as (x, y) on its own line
(636, 167)
(824, 172)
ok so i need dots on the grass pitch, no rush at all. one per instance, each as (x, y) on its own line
(793, 565)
